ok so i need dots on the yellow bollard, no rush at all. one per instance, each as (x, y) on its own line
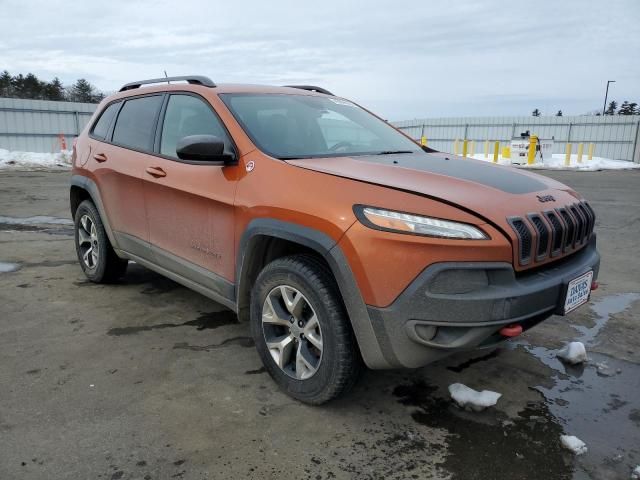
(533, 143)
(423, 141)
(486, 149)
(464, 147)
(472, 148)
(580, 152)
(567, 156)
(506, 152)
(591, 145)
(496, 150)
(455, 147)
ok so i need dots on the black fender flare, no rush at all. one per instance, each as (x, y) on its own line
(91, 188)
(325, 246)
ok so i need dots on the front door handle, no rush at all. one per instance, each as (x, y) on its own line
(100, 157)
(156, 172)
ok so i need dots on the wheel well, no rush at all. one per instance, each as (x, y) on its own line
(76, 196)
(260, 251)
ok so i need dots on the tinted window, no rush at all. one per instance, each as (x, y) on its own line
(302, 126)
(101, 127)
(136, 121)
(188, 115)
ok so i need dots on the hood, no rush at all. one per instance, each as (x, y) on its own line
(491, 191)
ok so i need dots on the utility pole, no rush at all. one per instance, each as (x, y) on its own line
(606, 94)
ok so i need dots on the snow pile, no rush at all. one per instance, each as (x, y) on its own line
(573, 353)
(470, 399)
(635, 475)
(557, 163)
(32, 160)
(577, 446)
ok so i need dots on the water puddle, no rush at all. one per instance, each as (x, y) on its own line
(487, 444)
(597, 401)
(35, 220)
(6, 267)
(39, 223)
(209, 320)
(604, 308)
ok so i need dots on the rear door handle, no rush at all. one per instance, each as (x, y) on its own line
(156, 172)
(100, 157)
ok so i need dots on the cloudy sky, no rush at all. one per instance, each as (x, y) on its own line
(403, 59)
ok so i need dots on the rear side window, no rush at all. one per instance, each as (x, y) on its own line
(188, 115)
(135, 125)
(101, 128)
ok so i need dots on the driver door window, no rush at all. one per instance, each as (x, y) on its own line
(188, 115)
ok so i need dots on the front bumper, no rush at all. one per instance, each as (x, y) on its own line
(460, 306)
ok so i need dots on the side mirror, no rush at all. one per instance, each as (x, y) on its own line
(203, 148)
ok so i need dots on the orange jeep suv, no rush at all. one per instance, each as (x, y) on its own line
(340, 240)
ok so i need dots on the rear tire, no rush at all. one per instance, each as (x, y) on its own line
(97, 258)
(302, 331)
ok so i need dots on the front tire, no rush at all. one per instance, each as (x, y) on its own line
(97, 258)
(301, 330)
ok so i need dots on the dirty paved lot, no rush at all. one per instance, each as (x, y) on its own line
(148, 380)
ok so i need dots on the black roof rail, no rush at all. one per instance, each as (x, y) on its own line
(193, 79)
(311, 88)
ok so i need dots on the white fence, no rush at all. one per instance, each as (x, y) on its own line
(616, 136)
(36, 125)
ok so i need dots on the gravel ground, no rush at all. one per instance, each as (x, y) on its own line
(148, 380)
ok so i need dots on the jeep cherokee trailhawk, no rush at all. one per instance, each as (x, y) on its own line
(341, 240)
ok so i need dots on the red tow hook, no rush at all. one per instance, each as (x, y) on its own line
(594, 285)
(512, 330)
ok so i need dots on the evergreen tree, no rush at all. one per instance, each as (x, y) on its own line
(559, 114)
(5, 84)
(32, 87)
(17, 87)
(611, 109)
(54, 90)
(628, 108)
(536, 113)
(81, 91)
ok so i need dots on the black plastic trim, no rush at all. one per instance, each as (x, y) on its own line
(311, 88)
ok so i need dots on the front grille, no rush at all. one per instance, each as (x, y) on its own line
(570, 225)
(543, 236)
(524, 239)
(557, 232)
(566, 228)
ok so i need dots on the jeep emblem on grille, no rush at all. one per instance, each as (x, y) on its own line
(546, 198)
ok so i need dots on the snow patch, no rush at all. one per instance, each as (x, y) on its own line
(577, 446)
(635, 475)
(471, 399)
(32, 160)
(573, 353)
(557, 163)
(6, 267)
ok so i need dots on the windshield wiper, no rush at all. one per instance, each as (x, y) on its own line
(393, 152)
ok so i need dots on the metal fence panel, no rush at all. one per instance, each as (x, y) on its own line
(615, 136)
(35, 125)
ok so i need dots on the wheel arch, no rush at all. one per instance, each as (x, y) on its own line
(83, 188)
(266, 239)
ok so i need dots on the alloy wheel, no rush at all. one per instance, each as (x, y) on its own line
(292, 332)
(88, 242)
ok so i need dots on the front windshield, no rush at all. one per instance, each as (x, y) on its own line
(303, 126)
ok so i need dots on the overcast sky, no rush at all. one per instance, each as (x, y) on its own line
(403, 59)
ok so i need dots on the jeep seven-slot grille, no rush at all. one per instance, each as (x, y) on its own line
(558, 230)
(543, 236)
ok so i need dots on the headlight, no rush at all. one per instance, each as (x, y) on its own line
(416, 225)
